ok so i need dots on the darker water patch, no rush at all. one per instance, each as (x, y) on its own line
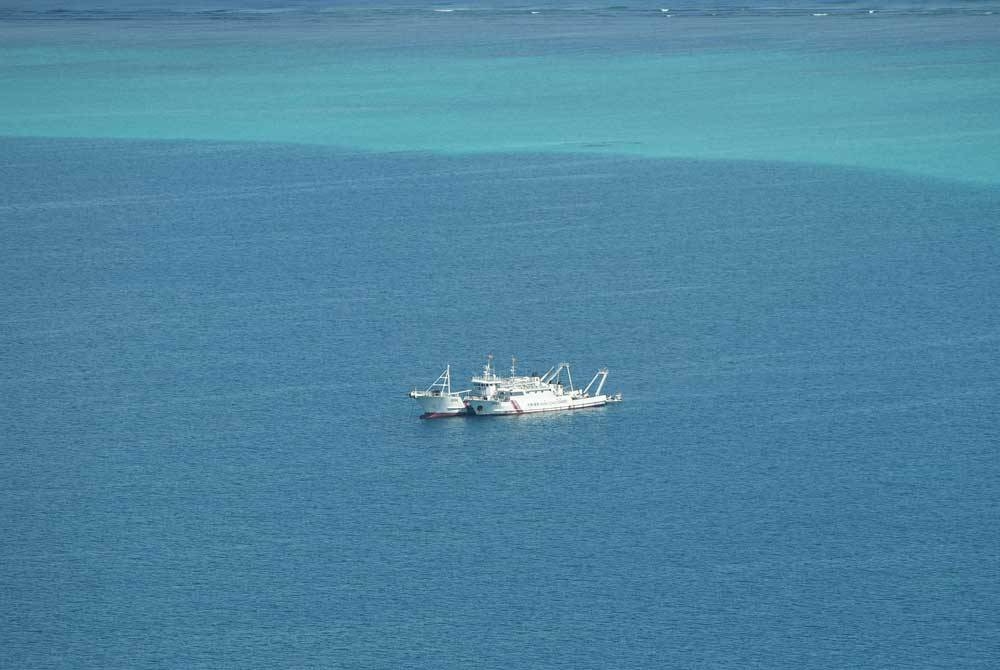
(205, 350)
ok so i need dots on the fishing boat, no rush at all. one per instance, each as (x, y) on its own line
(438, 400)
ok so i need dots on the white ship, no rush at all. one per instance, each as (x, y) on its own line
(493, 395)
(438, 400)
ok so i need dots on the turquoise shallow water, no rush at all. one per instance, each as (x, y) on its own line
(205, 344)
(905, 92)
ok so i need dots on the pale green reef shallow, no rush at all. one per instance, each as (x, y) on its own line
(909, 105)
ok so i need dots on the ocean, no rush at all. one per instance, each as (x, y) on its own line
(233, 235)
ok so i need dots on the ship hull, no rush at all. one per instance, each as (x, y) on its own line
(510, 407)
(441, 406)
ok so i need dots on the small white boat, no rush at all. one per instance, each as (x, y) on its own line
(438, 400)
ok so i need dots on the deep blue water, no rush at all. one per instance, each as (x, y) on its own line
(210, 460)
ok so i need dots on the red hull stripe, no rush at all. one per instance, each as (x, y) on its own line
(442, 415)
